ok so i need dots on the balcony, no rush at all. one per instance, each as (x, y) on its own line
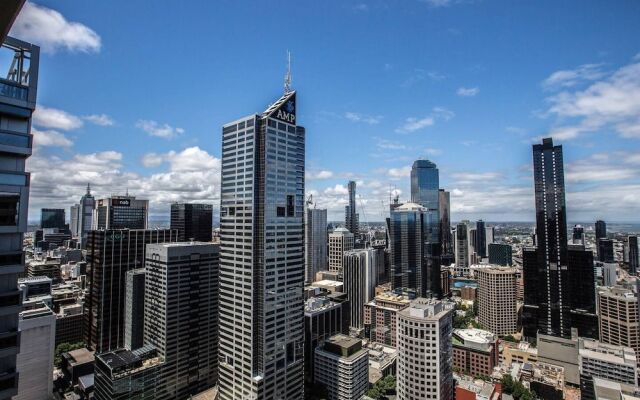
(19, 86)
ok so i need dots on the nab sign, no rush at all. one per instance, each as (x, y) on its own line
(287, 111)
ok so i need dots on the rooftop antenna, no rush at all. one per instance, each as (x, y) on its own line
(88, 188)
(287, 77)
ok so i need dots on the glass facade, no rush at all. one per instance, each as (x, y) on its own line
(425, 187)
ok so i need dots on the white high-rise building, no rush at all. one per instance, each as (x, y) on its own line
(425, 351)
(315, 242)
(340, 240)
(610, 362)
(359, 278)
(262, 255)
(35, 360)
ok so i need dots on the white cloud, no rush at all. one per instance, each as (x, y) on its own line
(402, 172)
(367, 119)
(572, 77)
(99, 119)
(413, 124)
(475, 177)
(467, 92)
(52, 32)
(323, 174)
(433, 152)
(152, 159)
(53, 118)
(438, 3)
(153, 128)
(612, 102)
(336, 190)
(385, 144)
(50, 138)
(191, 175)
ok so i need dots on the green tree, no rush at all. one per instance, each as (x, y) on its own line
(65, 348)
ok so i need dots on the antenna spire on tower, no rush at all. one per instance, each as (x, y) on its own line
(287, 76)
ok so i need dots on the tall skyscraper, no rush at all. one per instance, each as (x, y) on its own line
(601, 229)
(315, 243)
(581, 291)
(262, 207)
(192, 221)
(424, 330)
(181, 315)
(351, 218)
(17, 103)
(425, 190)
(359, 278)
(481, 239)
(52, 218)
(546, 308)
(74, 212)
(110, 254)
(340, 240)
(121, 212)
(462, 250)
(444, 211)
(634, 254)
(408, 247)
(85, 216)
(578, 235)
(605, 250)
(497, 305)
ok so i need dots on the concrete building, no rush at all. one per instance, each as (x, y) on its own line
(110, 254)
(497, 305)
(562, 352)
(323, 318)
(342, 366)
(134, 309)
(262, 321)
(475, 351)
(599, 360)
(340, 240)
(35, 360)
(120, 212)
(424, 330)
(181, 315)
(18, 89)
(467, 389)
(618, 317)
(124, 374)
(193, 221)
(519, 353)
(359, 278)
(380, 317)
(316, 241)
(609, 273)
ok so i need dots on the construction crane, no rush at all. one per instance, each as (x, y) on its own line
(364, 214)
(310, 201)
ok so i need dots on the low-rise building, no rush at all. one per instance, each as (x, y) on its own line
(546, 380)
(382, 361)
(467, 389)
(475, 351)
(601, 360)
(125, 374)
(69, 324)
(517, 353)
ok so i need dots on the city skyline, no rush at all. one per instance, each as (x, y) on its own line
(153, 127)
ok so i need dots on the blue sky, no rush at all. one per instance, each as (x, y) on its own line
(132, 95)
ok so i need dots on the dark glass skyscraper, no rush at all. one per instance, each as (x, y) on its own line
(549, 310)
(52, 218)
(192, 221)
(601, 229)
(351, 219)
(605, 250)
(446, 237)
(582, 291)
(481, 239)
(425, 188)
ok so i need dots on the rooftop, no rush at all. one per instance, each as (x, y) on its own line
(410, 207)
